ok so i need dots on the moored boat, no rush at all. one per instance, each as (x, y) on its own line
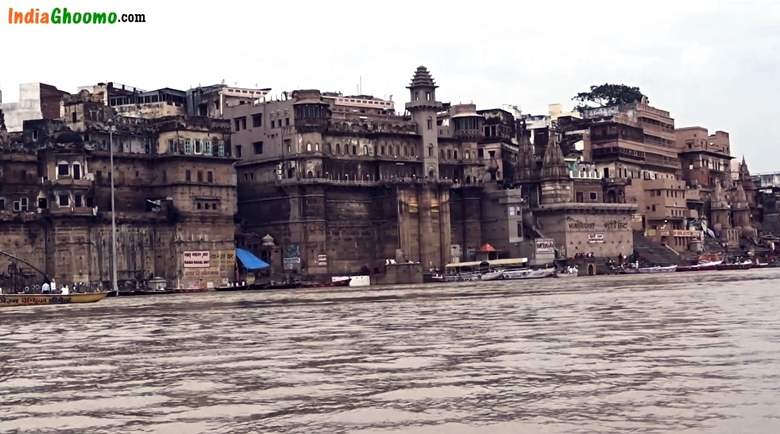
(658, 269)
(702, 266)
(492, 275)
(744, 265)
(527, 273)
(42, 299)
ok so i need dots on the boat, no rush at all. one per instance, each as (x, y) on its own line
(520, 273)
(342, 282)
(702, 266)
(527, 273)
(658, 269)
(744, 265)
(8, 300)
(492, 275)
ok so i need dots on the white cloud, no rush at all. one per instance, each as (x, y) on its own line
(710, 63)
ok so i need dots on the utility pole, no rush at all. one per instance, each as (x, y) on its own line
(113, 209)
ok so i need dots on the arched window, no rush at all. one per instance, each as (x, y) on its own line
(317, 147)
(468, 155)
(455, 154)
(354, 150)
(430, 150)
(427, 96)
(449, 154)
(382, 150)
(365, 149)
(308, 147)
(338, 148)
(441, 153)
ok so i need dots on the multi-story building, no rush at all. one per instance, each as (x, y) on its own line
(174, 196)
(343, 183)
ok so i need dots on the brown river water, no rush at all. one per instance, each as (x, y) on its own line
(678, 352)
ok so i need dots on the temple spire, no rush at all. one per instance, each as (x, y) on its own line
(553, 164)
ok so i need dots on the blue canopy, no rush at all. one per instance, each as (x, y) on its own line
(250, 261)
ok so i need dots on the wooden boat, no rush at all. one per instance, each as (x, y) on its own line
(492, 275)
(527, 273)
(343, 282)
(738, 266)
(39, 299)
(658, 269)
(703, 266)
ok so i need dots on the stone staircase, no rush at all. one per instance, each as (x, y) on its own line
(651, 253)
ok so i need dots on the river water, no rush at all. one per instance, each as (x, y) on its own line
(682, 352)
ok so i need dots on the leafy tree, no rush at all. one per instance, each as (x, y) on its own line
(606, 95)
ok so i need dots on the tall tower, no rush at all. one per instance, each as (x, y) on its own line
(747, 183)
(740, 208)
(423, 107)
(556, 184)
(719, 208)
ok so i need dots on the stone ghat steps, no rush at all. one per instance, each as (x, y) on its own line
(653, 254)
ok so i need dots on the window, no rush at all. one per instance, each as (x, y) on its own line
(287, 122)
(63, 169)
(63, 199)
(171, 146)
(257, 120)
(2, 204)
(258, 147)
(308, 147)
(238, 151)
(77, 199)
(200, 176)
(207, 150)
(188, 175)
(593, 195)
(273, 124)
(237, 124)
(430, 150)
(187, 146)
(365, 149)
(198, 147)
(73, 117)
(42, 203)
(210, 177)
(430, 123)
(354, 150)
(338, 148)
(427, 96)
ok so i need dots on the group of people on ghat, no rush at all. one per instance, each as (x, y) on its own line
(48, 288)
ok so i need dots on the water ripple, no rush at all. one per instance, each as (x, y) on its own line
(682, 352)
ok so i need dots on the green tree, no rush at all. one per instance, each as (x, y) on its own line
(606, 95)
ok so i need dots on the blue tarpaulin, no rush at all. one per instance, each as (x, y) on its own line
(250, 261)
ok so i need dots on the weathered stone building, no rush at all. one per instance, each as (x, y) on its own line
(343, 183)
(174, 189)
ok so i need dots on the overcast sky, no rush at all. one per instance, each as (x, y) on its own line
(710, 63)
